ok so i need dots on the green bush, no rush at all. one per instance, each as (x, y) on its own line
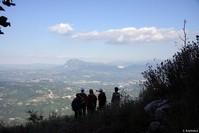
(34, 117)
(176, 78)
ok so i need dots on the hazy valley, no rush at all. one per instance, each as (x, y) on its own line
(47, 88)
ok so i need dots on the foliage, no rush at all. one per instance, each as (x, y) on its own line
(53, 115)
(177, 78)
(34, 117)
(3, 19)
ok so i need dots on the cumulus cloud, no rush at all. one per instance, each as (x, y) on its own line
(62, 28)
(130, 35)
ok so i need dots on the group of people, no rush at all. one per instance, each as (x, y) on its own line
(84, 103)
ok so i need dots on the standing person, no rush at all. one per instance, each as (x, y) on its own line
(91, 102)
(115, 101)
(101, 99)
(76, 106)
(83, 101)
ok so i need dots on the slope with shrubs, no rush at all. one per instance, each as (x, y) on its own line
(176, 80)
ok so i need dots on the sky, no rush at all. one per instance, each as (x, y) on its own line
(52, 32)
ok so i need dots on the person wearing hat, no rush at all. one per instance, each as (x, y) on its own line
(101, 99)
(83, 101)
(115, 101)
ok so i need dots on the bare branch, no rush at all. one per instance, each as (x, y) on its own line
(184, 39)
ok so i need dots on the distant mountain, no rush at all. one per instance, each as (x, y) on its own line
(77, 68)
(74, 64)
(79, 65)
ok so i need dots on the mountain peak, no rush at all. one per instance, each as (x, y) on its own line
(74, 60)
(74, 64)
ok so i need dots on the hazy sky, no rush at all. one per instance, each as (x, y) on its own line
(52, 31)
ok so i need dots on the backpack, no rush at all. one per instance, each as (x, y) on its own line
(83, 99)
(76, 104)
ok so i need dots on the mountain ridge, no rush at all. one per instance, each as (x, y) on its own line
(76, 64)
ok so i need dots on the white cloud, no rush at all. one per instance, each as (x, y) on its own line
(130, 35)
(62, 28)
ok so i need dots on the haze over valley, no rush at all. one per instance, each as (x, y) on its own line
(47, 88)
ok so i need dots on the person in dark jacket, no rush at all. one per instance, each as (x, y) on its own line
(76, 106)
(91, 102)
(115, 101)
(83, 101)
(101, 99)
